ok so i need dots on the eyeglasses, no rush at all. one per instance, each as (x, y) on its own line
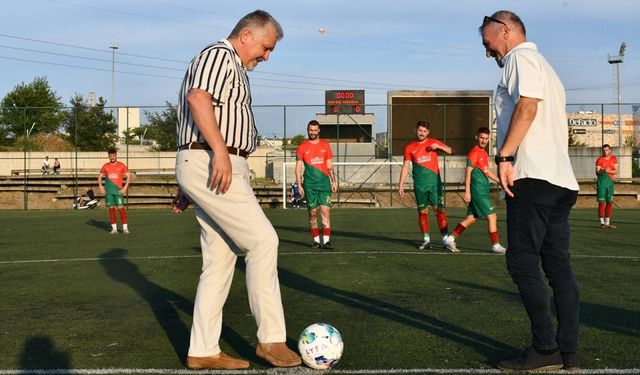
(488, 19)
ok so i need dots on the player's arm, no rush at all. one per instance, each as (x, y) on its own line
(467, 184)
(126, 183)
(100, 183)
(299, 167)
(441, 146)
(332, 176)
(521, 120)
(204, 117)
(613, 169)
(403, 176)
(492, 176)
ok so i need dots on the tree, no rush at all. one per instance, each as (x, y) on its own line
(90, 128)
(162, 128)
(30, 109)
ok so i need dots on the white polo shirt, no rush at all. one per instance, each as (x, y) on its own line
(543, 153)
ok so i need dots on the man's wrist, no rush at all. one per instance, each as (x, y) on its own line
(500, 159)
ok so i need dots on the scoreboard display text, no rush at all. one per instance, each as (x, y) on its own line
(344, 102)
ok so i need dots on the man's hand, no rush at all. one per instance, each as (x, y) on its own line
(102, 189)
(505, 173)
(180, 202)
(401, 190)
(221, 172)
(301, 190)
(334, 186)
(467, 197)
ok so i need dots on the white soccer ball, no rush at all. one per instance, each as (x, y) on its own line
(320, 346)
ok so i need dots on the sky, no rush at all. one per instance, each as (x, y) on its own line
(328, 45)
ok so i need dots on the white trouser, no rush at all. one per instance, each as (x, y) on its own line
(230, 222)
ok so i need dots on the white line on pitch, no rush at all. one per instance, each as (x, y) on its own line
(314, 253)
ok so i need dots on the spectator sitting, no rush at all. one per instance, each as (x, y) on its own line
(56, 166)
(45, 165)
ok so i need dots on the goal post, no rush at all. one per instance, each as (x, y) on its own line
(352, 175)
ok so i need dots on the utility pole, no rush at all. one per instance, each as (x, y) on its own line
(114, 47)
(619, 59)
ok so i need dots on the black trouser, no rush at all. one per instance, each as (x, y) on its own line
(538, 233)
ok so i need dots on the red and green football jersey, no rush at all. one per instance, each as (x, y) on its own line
(114, 173)
(314, 157)
(478, 159)
(424, 160)
(607, 163)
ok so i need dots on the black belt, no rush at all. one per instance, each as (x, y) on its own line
(204, 146)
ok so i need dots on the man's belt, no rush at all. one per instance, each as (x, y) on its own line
(204, 146)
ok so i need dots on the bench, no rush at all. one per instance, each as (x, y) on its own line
(593, 193)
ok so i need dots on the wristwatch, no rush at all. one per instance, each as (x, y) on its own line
(500, 159)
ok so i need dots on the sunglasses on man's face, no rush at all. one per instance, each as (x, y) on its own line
(488, 19)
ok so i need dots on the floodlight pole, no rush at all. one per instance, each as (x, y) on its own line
(114, 47)
(617, 60)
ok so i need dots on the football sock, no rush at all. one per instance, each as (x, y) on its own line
(423, 221)
(600, 210)
(114, 227)
(326, 233)
(602, 221)
(494, 237)
(125, 227)
(123, 215)
(607, 210)
(441, 217)
(606, 221)
(112, 215)
(426, 237)
(458, 231)
(315, 233)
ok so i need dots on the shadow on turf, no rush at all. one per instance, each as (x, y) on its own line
(339, 233)
(165, 305)
(484, 345)
(603, 317)
(99, 224)
(40, 353)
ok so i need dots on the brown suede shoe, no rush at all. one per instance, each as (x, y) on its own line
(278, 354)
(220, 361)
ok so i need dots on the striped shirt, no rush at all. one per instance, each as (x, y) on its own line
(218, 70)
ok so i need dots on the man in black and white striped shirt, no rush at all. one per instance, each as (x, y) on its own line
(216, 133)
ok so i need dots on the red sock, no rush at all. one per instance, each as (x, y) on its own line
(494, 237)
(607, 210)
(458, 231)
(315, 232)
(441, 217)
(423, 221)
(326, 231)
(123, 215)
(600, 209)
(112, 215)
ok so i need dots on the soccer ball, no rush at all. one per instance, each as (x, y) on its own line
(320, 346)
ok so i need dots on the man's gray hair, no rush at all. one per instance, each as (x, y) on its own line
(258, 19)
(506, 16)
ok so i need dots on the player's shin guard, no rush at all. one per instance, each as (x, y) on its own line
(458, 231)
(607, 210)
(112, 215)
(443, 225)
(601, 210)
(423, 221)
(123, 215)
(494, 237)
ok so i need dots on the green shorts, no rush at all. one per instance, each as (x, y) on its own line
(112, 200)
(605, 191)
(317, 198)
(480, 206)
(429, 195)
